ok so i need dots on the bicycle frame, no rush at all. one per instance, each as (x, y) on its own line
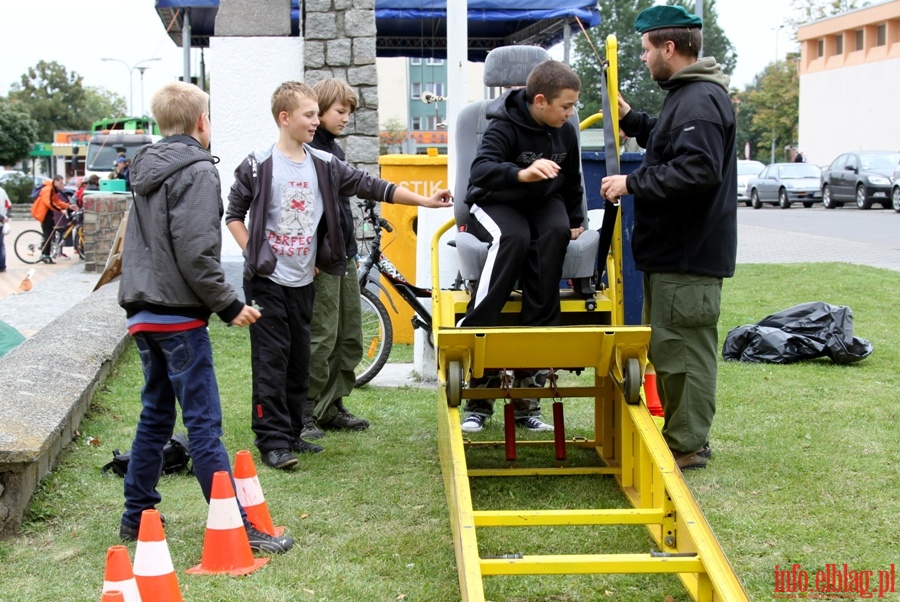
(407, 291)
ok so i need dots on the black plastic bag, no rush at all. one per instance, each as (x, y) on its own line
(176, 458)
(802, 332)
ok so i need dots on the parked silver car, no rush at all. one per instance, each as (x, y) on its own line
(895, 190)
(785, 183)
(746, 170)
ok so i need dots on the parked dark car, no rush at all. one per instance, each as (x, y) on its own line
(895, 190)
(861, 177)
(785, 183)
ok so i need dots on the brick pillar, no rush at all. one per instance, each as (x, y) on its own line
(102, 216)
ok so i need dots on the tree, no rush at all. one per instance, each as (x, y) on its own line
(634, 80)
(100, 103)
(812, 10)
(775, 101)
(18, 131)
(55, 99)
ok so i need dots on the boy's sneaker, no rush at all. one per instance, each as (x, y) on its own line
(46, 259)
(533, 423)
(263, 542)
(305, 447)
(346, 421)
(311, 430)
(473, 423)
(279, 458)
(129, 533)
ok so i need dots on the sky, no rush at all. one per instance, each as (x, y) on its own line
(79, 33)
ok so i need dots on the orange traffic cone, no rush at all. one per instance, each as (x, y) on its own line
(250, 495)
(651, 394)
(112, 595)
(118, 576)
(226, 548)
(153, 570)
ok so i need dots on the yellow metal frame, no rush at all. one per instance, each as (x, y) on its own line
(628, 443)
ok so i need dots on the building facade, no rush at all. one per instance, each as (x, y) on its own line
(849, 82)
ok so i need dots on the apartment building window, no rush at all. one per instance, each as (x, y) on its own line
(820, 48)
(415, 60)
(839, 44)
(437, 88)
(881, 35)
(434, 61)
(416, 123)
(415, 90)
(860, 39)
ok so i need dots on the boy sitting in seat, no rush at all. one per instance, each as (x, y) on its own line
(525, 197)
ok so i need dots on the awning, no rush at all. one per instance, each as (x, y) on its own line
(418, 28)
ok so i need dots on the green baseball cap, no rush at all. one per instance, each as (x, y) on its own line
(659, 17)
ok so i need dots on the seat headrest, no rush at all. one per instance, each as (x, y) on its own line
(509, 66)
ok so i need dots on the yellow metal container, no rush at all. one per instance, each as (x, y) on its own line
(424, 175)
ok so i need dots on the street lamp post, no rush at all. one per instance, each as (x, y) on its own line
(131, 69)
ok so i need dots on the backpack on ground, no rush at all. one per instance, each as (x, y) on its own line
(176, 458)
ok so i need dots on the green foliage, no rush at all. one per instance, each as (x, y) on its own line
(17, 132)
(100, 103)
(392, 134)
(54, 97)
(19, 190)
(774, 106)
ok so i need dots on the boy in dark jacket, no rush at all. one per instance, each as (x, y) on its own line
(172, 279)
(337, 345)
(295, 230)
(525, 197)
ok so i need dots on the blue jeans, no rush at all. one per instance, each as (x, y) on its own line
(178, 366)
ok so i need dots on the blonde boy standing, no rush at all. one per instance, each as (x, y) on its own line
(291, 193)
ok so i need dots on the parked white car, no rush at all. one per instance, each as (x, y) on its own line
(746, 170)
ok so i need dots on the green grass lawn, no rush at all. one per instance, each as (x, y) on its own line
(805, 470)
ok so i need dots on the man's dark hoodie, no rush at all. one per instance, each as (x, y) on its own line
(171, 260)
(512, 142)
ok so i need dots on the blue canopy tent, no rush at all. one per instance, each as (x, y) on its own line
(418, 28)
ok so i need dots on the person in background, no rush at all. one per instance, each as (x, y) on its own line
(51, 198)
(685, 221)
(91, 183)
(336, 328)
(5, 207)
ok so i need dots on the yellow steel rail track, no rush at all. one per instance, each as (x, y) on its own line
(628, 444)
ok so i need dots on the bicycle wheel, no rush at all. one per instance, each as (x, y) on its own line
(28, 246)
(378, 336)
(78, 241)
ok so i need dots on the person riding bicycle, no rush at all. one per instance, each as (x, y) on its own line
(51, 198)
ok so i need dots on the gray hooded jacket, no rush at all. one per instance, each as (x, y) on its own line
(171, 260)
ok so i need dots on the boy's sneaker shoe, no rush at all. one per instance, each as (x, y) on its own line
(305, 447)
(311, 430)
(279, 458)
(473, 423)
(346, 421)
(129, 533)
(46, 259)
(533, 423)
(263, 542)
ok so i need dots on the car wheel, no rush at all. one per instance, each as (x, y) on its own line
(895, 198)
(861, 200)
(783, 201)
(826, 198)
(754, 199)
(747, 203)
(807, 204)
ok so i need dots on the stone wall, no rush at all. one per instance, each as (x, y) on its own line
(340, 42)
(102, 216)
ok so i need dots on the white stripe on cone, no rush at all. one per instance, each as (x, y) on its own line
(152, 559)
(224, 515)
(249, 491)
(128, 588)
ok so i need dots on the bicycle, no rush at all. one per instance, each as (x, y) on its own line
(29, 245)
(378, 330)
